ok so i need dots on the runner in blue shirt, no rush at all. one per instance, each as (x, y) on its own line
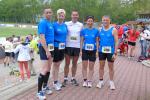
(89, 39)
(46, 47)
(108, 45)
(60, 32)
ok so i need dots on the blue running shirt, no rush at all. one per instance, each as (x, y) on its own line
(89, 36)
(60, 33)
(45, 27)
(107, 42)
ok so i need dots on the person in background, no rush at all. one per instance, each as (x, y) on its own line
(35, 37)
(8, 46)
(120, 33)
(143, 45)
(34, 47)
(27, 40)
(23, 58)
(146, 36)
(132, 35)
(15, 43)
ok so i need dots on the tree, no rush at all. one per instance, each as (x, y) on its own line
(26, 11)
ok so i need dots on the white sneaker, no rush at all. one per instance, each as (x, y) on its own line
(57, 87)
(112, 85)
(47, 90)
(89, 84)
(59, 84)
(100, 84)
(41, 95)
(85, 84)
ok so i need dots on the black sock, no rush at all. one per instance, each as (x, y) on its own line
(101, 79)
(46, 79)
(55, 82)
(85, 79)
(40, 82)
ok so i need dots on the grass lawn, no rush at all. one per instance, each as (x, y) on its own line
(9, 31)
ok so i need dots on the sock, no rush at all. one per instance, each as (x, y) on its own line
(85, 79)
(101, 79)
(66, 78)
(55, 82)
(40, 82)
(46, 79)
(72, 78)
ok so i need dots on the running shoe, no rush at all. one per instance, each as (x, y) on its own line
(74, 82)
(85, 84)
(47, 90)
(112, 85)
(57, 86)
(41, 95)
(89, 84)
(100, 84)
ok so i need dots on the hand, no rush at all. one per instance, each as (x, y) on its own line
(48, 54)
(114, 57)
(81, 53)
(97, 54)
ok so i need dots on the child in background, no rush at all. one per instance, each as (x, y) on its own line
(123, 47)
(23, 58)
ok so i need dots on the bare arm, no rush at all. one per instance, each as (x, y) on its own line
(115, 33)
(97, 44)
(43, 42)
(81, 43)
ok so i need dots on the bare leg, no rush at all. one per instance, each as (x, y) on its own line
(91, 70)
(74, 65)
(84, 69)
(101, 69)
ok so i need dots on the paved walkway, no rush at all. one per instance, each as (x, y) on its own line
(132, 81)
(5, 77)
(9, 83)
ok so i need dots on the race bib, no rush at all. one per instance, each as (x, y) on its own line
(89, 47)
(61, 46)
(50, 47)
(73, 38)
(106, 49)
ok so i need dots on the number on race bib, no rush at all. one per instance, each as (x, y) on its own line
(106, 49)
(74, 38)
(50, 47)
(89, 47)
(61, 46)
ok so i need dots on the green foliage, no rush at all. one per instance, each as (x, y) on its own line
(26, 11)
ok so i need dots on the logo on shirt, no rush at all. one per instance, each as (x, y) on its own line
(101, 33)
(92, 35)
(50, 27)
(59, 30)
